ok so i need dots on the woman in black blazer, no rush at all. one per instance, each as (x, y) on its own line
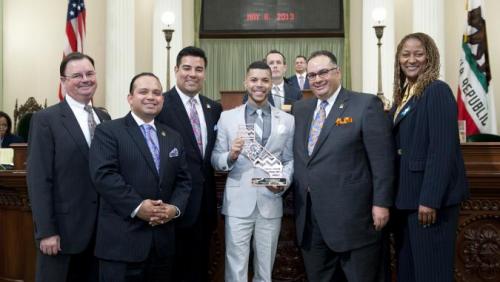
(6, 137)
(431, 175)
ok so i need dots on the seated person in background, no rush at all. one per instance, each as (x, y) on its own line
(6, 136)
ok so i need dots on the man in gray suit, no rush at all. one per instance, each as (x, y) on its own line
(252, 210)
(63, 198)
(344, 173)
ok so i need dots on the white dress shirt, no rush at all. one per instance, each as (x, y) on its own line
(279, 98)
(82, 116)
(201, 115)
(330, 100)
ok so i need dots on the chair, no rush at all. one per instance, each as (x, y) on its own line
(22, 116)
(483, 138)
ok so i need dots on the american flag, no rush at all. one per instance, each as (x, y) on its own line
(75, 30)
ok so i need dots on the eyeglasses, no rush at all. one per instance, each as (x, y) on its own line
(80, 76)
(322, 73)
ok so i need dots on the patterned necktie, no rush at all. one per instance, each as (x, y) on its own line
(152, 139)
(301, 82)
(277, 97)
(195, 123)
(258, 126)
(316, 126)
(90, 121)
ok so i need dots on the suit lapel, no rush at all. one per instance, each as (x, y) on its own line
(406, 110)
(183, 116)
(69, 122)
(341, 103)
(136, 134)
(209, 121)
(275, 123)
(165, 149)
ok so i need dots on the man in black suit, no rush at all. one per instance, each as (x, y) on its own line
(197, 124)
(282, 92)
(139, 169)
(344, 173)
(299, 79)
(63, 199)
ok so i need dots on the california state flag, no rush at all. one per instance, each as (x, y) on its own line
(475, 97)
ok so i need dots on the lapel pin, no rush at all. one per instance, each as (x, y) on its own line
(208, 106)
(163, 134)
(341, 106)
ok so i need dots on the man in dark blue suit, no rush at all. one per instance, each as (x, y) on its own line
(299, 80)
(140, 172)
(62, 196)
(194, 229)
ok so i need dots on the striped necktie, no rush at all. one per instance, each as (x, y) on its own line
(90, 121)
(195, 123)
(277, 97)
(152, 140)
(316, 126)
(301, 82)
(259, 126)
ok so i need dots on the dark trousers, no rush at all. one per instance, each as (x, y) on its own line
(426, 254)
(325, 265)
(192, 245)
(82, 267)
(153, 269)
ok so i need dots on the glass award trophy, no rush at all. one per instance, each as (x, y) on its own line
(261, 158)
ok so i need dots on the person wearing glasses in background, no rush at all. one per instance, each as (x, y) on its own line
(63, 198)
(6, 136)
(344, 174)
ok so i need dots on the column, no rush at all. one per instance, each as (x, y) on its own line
(120, 54)
(428, 17)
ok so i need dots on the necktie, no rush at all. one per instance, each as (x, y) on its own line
(316, 126)
(301, 82)
(258, 126)
(90, 120)
(195, 123)
(152, 139)
(277, 97)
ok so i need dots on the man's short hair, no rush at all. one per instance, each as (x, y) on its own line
(301, 56)
(258, 65)
(73, 57)
(131, 88)
(274, 51)
(324, 53)
(191, 51)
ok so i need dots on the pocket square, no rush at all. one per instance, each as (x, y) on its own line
(174, 153)
(281, 129)
(343, 120)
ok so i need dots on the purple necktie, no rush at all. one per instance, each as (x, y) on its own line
(301, 82)
(152, 139)
(195, 123)
(316, 126)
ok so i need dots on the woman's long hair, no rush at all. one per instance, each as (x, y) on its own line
(429, 74)
(9, 123)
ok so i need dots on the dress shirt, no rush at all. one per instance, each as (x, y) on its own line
(140, 122)
(82, 116)
(251, 116)
(330, 100)
(280, 96)
(201, 115)
(303, 75)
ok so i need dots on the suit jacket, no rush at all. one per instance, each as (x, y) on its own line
(9, 139)
(63, 198)
(175, 116)
(294, 81)
(431, 168)
(124, 173)
(350, 169)
(292, 95)
(240, 196)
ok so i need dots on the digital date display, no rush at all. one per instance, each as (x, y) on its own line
(271, 16)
